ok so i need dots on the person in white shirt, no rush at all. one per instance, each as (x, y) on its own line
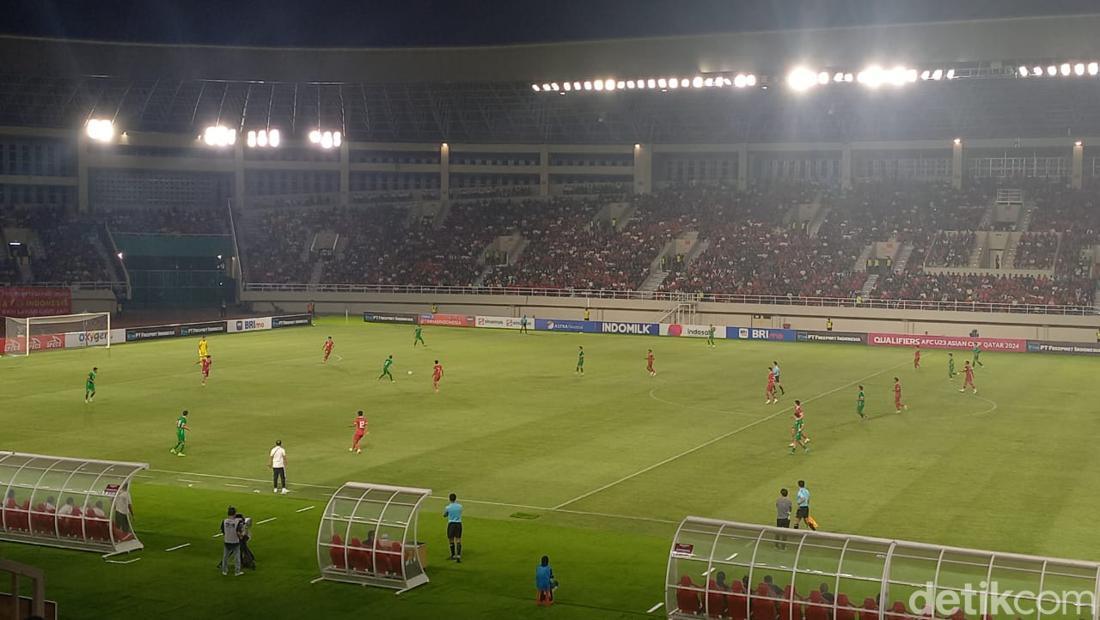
(124, 509)
(277, 462)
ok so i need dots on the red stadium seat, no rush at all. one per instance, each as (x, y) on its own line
(842, 613)
(716, 600)
(336, 552)
(687, 600)
(818, 608)
(736, 602)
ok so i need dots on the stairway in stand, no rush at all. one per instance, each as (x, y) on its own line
(654, 280)
(869, 285)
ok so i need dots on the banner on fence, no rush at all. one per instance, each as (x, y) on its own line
(841, 337)
(21, 302)
(567, 325)
(389, 317)
(1072, 348)
(691, 331)
(152, 333)
(762, 333)
(946, 342)
(634, 329)
(201, 329)
(248, 325)
(448, 320)
(76, 340)
(498, 322)
(293, 320)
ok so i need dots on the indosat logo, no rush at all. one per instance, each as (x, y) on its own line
(988, 599)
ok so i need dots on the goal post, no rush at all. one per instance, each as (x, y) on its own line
(23, 336)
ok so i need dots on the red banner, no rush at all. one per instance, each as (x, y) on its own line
(450, 320)
(967, 343)
(41, 342)
(21, 302)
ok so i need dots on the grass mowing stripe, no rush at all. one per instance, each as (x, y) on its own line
(718, 438)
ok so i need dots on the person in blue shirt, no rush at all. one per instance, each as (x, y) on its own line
(775, 369)
(803, 499)
(453, 512)
(545, 582)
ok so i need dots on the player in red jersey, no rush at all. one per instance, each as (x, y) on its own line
(649, 363)
(916, 358)
(968, 378)
(898, 405)
(360, 426)
(206, 362)
(769, 392)
(437, 374)
(327, 348)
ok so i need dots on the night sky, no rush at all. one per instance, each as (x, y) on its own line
(365, 23)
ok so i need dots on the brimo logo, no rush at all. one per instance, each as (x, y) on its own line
(989, 598)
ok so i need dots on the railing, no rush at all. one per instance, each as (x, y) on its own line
(97, 285)
(818, 302)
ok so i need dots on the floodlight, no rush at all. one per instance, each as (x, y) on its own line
(823, 78)
(218, 135)
(1021, 71)
(587, 85)
(100, 130)
(568, 86)
(838, 77)
(326, 140)
(546, 87)
(911, 75)
(1093, 68)
(674, 83)
(661, 82)
(1037, 71)
(896, 76)
(261, 138)
(120, 255)
(535, 87)
(957, 141)
(250, 139)
(1077, 143)
(597, 85)
(937, 75)
(630, 84)
(925, 75)
(337, 139)
(685, 82)
(871, 77)
(652, 83)
(750, 80)
(739, 81)
(848, 77)
(554, 86)
(697, 82)
(801, 78)
(1079, 68)
(315, 136)
(273, 138)
(610, 84)
(950, 74)
(620, 84)
(1064, 68)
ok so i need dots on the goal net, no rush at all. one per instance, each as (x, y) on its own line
(46, 333)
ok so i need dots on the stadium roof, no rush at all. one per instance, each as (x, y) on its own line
(1026, 39)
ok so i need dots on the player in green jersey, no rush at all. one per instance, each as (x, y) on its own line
(710, 337)
(861, 400)
(580, 361)
(419, 337)
(798, 431)
(181, 434)
(386, 369)
(89, 385)
(977, 351)
(951, 366)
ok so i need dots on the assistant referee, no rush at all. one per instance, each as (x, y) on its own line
(453, 513)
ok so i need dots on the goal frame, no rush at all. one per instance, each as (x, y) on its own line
(27, 322)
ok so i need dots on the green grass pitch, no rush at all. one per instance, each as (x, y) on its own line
(606, 463)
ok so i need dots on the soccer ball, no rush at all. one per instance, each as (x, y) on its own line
(410, 372)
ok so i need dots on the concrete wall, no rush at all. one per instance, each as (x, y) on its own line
(942, 323)
(93, 301)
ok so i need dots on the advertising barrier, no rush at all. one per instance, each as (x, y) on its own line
(389, 317)
(449, 320)
(134, 334)
(498, 322)
(838, 337)
(248, 325)
(567, 325)
(76, 340)
(1015, 345)
(691, 331)
(1071, 348)
(293, 320)
(199, 329)
(21, 302)
(634, 329)
(762, 333)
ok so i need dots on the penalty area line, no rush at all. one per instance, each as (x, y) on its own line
(654, 608)
(721, 437)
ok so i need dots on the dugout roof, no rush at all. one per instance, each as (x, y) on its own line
(67, 502)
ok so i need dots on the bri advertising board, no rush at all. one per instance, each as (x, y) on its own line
(567, 325)
(692, 331)
(1015, 345)
(248, 325)
(762, 333)
(498, 322)
(447, 320)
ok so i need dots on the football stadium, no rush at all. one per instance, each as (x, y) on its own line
(768, 324)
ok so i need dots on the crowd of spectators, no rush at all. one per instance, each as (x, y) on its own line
(275, 244)
(66, 250)
(951, 249)
(1036, 251)
(986, 288)
(167, 220)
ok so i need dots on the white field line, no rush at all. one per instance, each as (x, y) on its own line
(178, 547)
(265, 480)
(268, 520)
(305, 509)
(654, 608)
(123, 561)
(233, 484)
(316, 580)
(715, 440)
